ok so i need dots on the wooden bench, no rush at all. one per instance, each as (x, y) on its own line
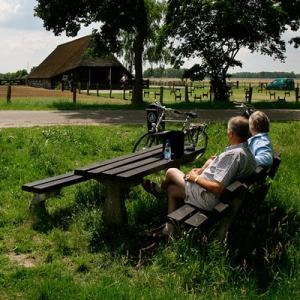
(197, 98)
(117, 174)
(49, 187)
(146, 92)
(287, 93)
(131, 82)
(177, 96)
(272, 94)
(205, 94)
(217, 222)
(190, 90)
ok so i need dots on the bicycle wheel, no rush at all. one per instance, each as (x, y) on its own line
(197, 137)
(145, 141)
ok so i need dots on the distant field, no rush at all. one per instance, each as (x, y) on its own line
(241, 80)
(21, 92)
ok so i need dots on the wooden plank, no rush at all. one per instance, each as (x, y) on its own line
(159, 165)
(181, 213)
(221, 207)
(143, 154)
(58, 184)
(142, 171)
(113, 170)
(28, 187)
(196, 220)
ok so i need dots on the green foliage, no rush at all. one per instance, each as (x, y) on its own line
(123, 25)
(215, 31)
(70, 254)
(16, 75)
(163, 73)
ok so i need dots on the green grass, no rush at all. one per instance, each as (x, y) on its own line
(74, 256)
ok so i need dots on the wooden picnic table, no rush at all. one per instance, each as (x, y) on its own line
(120, 173)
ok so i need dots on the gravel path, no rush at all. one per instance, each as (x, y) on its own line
(14, 118)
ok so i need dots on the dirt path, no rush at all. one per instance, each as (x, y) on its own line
(15, 118)
(31, 92)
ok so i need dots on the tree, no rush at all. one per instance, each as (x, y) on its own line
(122, 23)
(16, 75)
(215, 31)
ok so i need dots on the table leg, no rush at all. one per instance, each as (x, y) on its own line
(114, 209)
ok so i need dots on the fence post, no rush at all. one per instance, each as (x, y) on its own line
(124, 97)
(110, 90)
(250, 94)
(74, 94)
(8, 95)
(97, 87)
(87, 88)
(161, 94)
(186, 93)
(297, 94)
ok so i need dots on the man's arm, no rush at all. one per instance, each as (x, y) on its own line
(207, 163)
(211, 186)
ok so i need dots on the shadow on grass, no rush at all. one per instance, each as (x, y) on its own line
(88, 195)
(259, 244)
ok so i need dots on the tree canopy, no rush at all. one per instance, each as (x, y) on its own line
(123, 24)
(215, 31)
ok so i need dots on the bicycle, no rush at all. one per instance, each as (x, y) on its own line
(250, 109)
(194, 134)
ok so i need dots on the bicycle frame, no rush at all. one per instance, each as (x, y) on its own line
(155, 126)
(195, 134)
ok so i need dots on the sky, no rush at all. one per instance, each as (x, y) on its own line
(25, 43)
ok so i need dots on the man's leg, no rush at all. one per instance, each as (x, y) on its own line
(173, 176)
(175, 185)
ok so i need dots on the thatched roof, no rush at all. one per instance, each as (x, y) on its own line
(69, 56)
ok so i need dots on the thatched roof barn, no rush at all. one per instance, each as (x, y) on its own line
(69, 61)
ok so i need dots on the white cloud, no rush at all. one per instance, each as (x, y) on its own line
(9, 9)
(25, 43)
(255, 62)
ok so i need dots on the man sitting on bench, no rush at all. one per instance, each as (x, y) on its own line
(202, 187)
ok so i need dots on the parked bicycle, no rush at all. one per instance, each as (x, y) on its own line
(194, 134)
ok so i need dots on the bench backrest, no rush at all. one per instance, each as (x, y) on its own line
(259, 180)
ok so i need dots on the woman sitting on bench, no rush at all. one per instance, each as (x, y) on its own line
(260, 143)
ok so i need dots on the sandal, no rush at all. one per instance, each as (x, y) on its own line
(149, 186)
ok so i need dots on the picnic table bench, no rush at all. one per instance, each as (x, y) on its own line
(253, 188)
(117, 174)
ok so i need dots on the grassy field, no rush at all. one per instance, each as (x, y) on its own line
(42, 99)
(70, 254)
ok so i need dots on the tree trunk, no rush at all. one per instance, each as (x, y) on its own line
(219, 89)
(137, 93)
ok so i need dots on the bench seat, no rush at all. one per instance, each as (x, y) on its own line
(222, 216)
(49, 187)
(52, 183)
